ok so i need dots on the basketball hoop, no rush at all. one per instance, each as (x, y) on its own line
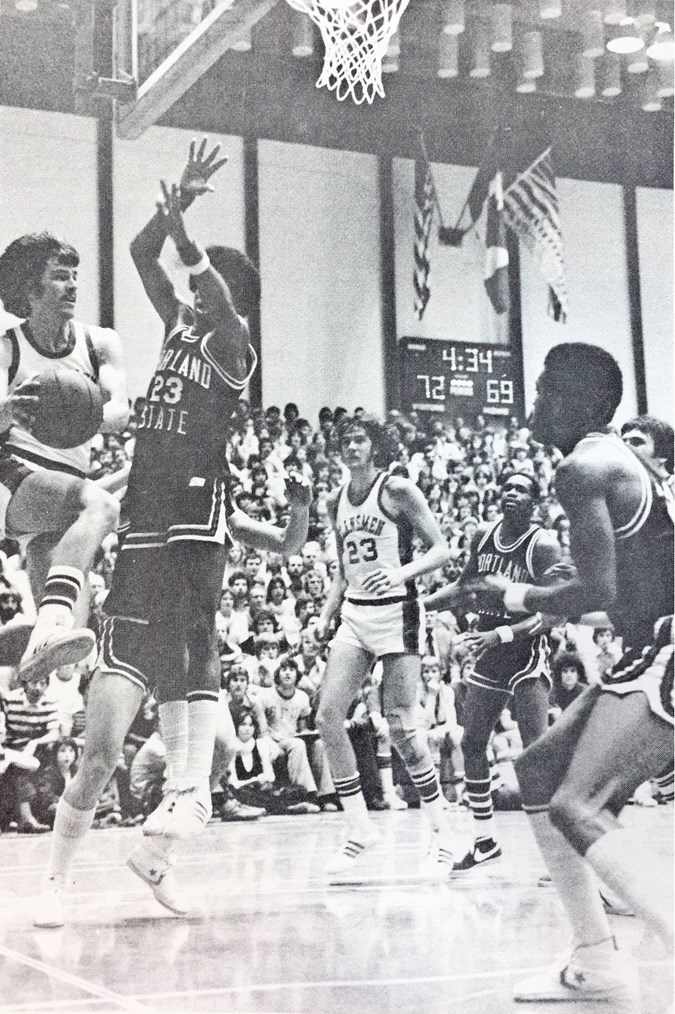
(355, 36)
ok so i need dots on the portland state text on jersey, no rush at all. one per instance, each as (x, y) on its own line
(161, 411)
(495, 563)
(361, 523)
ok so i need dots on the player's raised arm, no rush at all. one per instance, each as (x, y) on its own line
(408, 502)
(338, 587)
(262, 535)
(146, 251)
(113, 382)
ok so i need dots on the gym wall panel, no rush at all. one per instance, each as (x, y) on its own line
(655, 250)
(160, 153)
(595, 256)
(48, 183)
(320, 265)
(458, 307)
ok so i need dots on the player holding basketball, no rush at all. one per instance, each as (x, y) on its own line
(159, 629)
(376, 517)
(577, 778)
(46, 498)
(512, 662)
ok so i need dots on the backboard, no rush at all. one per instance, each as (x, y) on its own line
(167, 45)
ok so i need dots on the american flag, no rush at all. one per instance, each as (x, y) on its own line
(496, 255)
(531, 210)
(425, 205)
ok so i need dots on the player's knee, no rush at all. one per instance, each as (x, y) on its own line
(328, 718)
(100, 763)
(473, 747)
(568, 814)
(404, 734)
(101, 506)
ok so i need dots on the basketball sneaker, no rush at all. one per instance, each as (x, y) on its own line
(191, 812)
(48, 912)
(361, 838)
(155, 822)
(485, 850)
(57, 649)
(394, 802)
(596, 972)
(156, 871)
(439, 861)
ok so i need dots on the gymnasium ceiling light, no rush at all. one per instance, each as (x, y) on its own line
(625, 37)
(502, 28)
(662, 46)
(480, 57)
(585, 78)
(303, 36)
(453, 17)
(550, 9)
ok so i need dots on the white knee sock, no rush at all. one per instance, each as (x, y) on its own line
(70, 827)
(173, 728)
(617, 858)
(202, 721)
(575, 883)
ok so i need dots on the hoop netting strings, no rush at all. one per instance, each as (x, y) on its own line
(355, 40)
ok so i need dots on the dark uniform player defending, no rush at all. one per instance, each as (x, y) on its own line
(513, 661)
(577, 777)
(159, 629)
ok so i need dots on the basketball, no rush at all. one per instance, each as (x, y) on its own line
(69, 410)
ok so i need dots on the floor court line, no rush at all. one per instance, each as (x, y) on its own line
(273, 987)
(47, 1005)
(100, 992)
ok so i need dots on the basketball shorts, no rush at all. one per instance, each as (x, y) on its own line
(649, 671)
(387, 626)
(194, 509)
(12, 474)
(502, 669)
(124, 648)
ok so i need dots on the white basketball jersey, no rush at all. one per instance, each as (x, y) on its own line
(371, 539)
(27, 360)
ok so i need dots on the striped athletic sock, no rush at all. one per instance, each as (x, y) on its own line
(385, 771)
(351, 797)
(478, 792)
(426, 783)
(61, 591)
(202, 708)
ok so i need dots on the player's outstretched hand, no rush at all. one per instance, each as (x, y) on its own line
(170, 207)
(382, 580)
(298, 490)
(199, 169)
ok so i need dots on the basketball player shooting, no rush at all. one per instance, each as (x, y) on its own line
(46, 499)
(576, 779)
(376, 517)
(159, 626)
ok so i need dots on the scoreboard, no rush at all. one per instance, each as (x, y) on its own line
(460, 379)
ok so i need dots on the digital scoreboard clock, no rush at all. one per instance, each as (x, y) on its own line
(459, 379)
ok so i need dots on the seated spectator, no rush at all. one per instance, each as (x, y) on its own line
(240, 618)
(439, 721)
(287, 711)
(52, 778)
(311, 665)
(241, 697)
(29, 724)
(569, 681)
(608, 652)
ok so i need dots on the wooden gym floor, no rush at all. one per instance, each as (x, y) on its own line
(270, 936)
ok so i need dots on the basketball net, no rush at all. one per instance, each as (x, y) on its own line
(355, 35)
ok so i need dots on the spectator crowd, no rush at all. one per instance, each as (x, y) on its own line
(271, 662)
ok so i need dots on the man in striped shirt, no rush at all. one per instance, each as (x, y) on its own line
(29, 722)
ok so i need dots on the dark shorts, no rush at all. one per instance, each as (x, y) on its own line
(189, 510)
(649, 671)
(504, 668)
(124, 649)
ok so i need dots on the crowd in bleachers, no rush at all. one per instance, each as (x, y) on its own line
(272, 664)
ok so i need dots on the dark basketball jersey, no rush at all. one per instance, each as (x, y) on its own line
(511, 560)
(257, 769)
(644, 554)
(190, 404)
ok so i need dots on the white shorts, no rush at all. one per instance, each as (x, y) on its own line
(389, 626)
(656, 681)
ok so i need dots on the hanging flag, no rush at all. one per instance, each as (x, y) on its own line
(531, 210)
(496, 254)
(425, 204)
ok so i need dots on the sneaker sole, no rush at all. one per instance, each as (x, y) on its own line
(67, 650)
(154, 888)
(478, 866)
(48, 923)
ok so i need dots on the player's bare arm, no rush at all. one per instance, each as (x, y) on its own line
(112, 381)
(146, 247)
(336, 592)
(286, 541)
(404, 500)
(459, 594)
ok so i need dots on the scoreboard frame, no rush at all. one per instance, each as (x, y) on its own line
(454, 378)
